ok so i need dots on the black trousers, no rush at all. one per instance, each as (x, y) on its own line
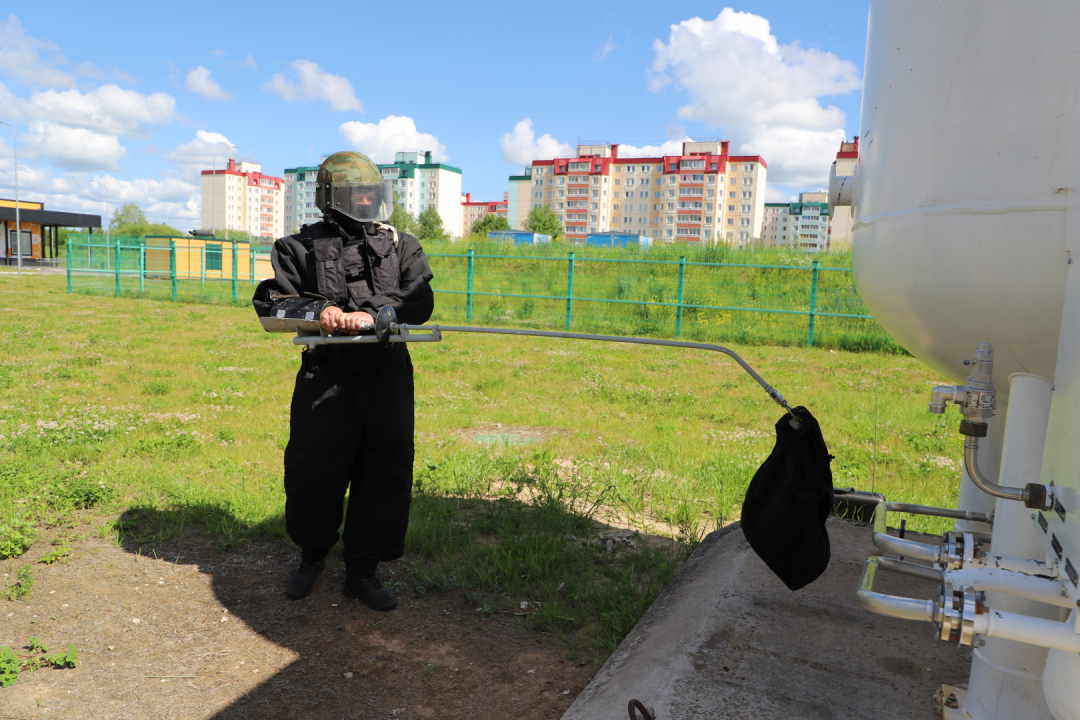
(352, 430)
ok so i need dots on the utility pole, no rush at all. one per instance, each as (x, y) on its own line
(18, 222)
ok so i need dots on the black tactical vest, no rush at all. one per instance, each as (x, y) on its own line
(349, 272)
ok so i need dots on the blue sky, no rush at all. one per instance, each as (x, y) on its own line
(137, 96)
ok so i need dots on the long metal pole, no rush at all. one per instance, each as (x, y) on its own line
(18, 222)
(106, 220)
(468, 289)
(679, 297)
(232, 147)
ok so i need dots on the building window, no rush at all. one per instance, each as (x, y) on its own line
(731, 194)
(731, 221)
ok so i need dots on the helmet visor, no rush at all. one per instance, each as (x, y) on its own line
(363, 202)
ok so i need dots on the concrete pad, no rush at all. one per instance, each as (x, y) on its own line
(727, 639)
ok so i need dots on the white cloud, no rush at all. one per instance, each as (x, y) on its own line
(172, 201)
(20, 57)
(248, 62)
(107, 109)
(764, 94)
(601, 54)
(670, 147)
(89, 69)
(199, 154)
(393, 133)
(70, 148)
(200, 82)
(521, 146)
(315, 84)
(774, 194)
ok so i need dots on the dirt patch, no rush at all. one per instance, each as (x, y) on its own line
(197, 633)
(498, 434)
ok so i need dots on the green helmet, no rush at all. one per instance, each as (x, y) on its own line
(351, 184)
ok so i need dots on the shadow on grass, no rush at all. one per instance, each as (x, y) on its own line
(545, 561)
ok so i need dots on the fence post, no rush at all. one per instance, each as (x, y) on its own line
(68, 249)
(678, 310)
(569, 289)
(116, 248)
(202, 265)
(142, 267)
(172, 267)
(813, 303)
(251, 254)
(234, 262)
(468, 289)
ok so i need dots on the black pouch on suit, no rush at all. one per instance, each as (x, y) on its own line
(787, 502)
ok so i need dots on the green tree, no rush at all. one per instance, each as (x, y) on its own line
(144, 229)
(489, 223)
(402, 220)
(429, 227)
(127, 214)
(543, 220)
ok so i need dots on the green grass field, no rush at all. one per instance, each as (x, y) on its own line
(764, 295)
(164, 418)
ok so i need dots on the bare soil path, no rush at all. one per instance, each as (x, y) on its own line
(199, 633)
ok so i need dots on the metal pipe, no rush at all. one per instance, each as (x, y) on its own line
(403, 333)
(907, 568)
(890, 605)
(769, 389)
(899, 546)
(971, 464)
(1012, 564)
(987, 518)
(1007, 582)
(1029, 630)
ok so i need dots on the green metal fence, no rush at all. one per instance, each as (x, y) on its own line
(750, 303)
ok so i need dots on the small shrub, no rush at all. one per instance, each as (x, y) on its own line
(157, 387)
(167, 445)
(54, 555)
(24, 583)
(16, 536)
(81, 492)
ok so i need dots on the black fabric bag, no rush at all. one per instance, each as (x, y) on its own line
(783, 515)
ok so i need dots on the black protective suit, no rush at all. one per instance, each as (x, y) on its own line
(352, 408)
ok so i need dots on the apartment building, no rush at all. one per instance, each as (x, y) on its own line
(804, 225)
(240, 197)
(473, 212)
(846, 160)
(420, 183)
(702, 195)
(300, 198)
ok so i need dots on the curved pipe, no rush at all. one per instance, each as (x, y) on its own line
(971, 464)
(1008, 582)
(890, 605)
(899, 546)
(400, 332)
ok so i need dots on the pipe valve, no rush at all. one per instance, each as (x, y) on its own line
(977, 399)
(956, 613)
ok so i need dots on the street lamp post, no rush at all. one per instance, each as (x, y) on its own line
(213, 201)
(18, 222)
(106, 220)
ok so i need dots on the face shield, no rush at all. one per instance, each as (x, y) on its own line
(363, 202)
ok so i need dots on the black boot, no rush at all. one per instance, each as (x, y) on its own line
(303, 578)
(368, 590)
